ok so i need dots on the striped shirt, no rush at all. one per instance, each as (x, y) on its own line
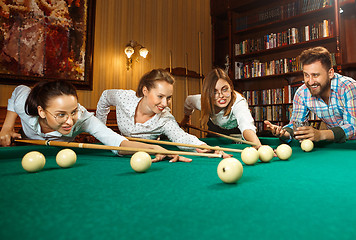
(340, 112)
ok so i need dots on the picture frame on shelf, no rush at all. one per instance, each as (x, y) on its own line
(47, 40)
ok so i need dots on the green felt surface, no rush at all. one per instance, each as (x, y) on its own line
(310, 196)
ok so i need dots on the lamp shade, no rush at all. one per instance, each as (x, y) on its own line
(143, 52)
(129, 51)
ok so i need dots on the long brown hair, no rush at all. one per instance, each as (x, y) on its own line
(149, 79)
(208, 94)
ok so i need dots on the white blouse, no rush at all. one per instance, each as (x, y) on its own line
(240, 115)
(126, 103)
(86, 122)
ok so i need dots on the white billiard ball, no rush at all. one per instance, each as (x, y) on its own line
(230, 170)
(266, 153)
(307, 145)
(249, 156)
(66, 158)
(284, 151)
(33, 161)
(140, 162)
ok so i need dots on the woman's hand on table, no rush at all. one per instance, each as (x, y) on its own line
(224, 154)
(175, 158)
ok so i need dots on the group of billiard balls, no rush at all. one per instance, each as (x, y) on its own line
(35, 161)
(230, 169)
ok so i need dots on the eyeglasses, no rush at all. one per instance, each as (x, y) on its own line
(225, 92)
(63, 117)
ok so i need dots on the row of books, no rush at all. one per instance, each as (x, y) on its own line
(290, 36)
(275, 114)
(271, 96)
(261, 127)
(256, 68)
(271, 113)
(284, 11)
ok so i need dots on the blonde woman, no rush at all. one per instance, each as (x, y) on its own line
(145, 113)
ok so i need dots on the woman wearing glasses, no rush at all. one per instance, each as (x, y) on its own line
(223, 106)
(50, 111)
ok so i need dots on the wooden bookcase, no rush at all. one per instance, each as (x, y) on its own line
(263, 39)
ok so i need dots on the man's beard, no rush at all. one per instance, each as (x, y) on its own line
(322, 89)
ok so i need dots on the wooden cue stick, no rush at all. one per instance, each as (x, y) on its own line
(200, 54)
(184, 144)
(104, 147)
(186, 75)
(170, 61)
(200, 69)
(222, 135)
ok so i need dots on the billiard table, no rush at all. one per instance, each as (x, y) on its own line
(310, 196)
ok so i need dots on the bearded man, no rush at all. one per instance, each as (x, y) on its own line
(329, 95)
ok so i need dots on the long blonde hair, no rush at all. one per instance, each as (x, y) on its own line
(208, 94)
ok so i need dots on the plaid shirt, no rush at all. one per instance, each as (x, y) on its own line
(341, 111)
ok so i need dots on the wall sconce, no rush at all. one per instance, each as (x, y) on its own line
(131, 48)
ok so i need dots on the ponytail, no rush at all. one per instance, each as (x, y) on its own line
(43, 92)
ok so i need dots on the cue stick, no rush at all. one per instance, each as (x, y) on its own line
(170, 61)
(186, 75)
(200, 69)
(222, 135)
(184, 144)
(200, 55)
(104, 147)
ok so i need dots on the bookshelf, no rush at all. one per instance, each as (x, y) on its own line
(263, 40)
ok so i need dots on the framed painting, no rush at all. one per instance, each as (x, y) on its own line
(44, 40)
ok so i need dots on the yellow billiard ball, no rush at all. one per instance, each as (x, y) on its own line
(33, 161)
(307, 145)
(140, 162)
(266, 153)
(66, 158)
(230, 170)
(284, 151)
(249, 155)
